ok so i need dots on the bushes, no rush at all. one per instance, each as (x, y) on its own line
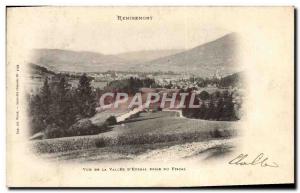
(217, 106)
(111, 120)
(81, 127)
(204, 95)
(52, 131)
(131, 85)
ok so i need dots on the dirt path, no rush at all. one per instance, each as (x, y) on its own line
(203, 150)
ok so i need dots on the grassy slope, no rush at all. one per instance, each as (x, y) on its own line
(167, 122)
(148, 132)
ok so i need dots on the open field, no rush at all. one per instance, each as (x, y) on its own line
(203, 150)
(137, 136)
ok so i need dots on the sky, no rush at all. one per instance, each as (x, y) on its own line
(97, 29)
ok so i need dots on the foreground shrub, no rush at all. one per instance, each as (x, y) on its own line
(81, 127)
(111, 120)
(85, 127)
(52, 131)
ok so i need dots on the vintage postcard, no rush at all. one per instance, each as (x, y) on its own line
(150, 96)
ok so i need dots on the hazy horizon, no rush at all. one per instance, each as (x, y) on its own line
(177, 49)
(142, 50)
(98, 30)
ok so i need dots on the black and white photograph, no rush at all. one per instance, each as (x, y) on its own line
(189, 96)
(148, 104)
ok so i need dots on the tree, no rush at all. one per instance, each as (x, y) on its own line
(37, 115)
(202, 111)
(228, 111)
(46, 93)
(211, 111)
(219, 109)
(204, 95)
(39, 108)
(59, 109)
(86, 97)
(45, 101)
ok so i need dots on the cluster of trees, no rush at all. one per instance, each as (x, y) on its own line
(131, 85)
(36, 69)
(59, 110)
(58, 106)
(217, 106)
(230, 80)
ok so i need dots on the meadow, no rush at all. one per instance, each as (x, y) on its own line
(149, 131)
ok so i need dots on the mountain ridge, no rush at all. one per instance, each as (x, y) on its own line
(217, 56)
(206, 59)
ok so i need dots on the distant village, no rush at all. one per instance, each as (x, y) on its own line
(169, 79)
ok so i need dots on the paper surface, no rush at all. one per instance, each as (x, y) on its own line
(235, 63)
